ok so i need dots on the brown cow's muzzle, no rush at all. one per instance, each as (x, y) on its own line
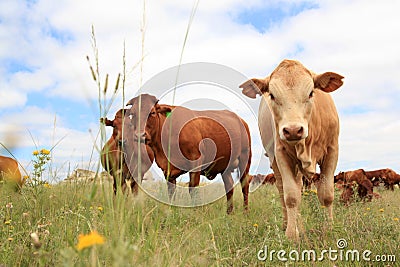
(141, 137)
(293, 133)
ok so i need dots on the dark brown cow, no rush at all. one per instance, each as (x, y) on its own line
(112, 156)
(396, 180)
(359, 178)
(205, 143)
(392, 178)
(9, 173)
(347, 195)
(365, 190)
(376, 176)
(386, 176)
(307, 182)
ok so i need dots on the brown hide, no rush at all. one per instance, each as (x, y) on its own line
(113, 158)
(9, 172)
(206, 142)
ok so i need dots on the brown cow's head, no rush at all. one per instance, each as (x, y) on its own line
(117, 124)
(289, 92)
(339, 177)
(144, 115)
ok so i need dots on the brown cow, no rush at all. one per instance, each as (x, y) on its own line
(347, 195)
(206, 143)
(365, 190)
(299, 128)
(9, 173)
(350, 176)
(376, 176)
(358, 177)
(112, 156)
(396, 180)
(392, 178)
(307, 182)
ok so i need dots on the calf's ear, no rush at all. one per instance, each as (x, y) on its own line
(254, 87)
(328, 81)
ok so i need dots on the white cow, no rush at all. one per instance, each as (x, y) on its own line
(296, 105)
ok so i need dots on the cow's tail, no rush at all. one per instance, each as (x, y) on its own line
(245, 178)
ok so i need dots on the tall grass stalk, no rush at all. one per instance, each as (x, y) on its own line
(191, 18)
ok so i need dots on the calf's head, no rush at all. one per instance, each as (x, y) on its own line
(289, 92)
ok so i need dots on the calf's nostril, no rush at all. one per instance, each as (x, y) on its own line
(300, 131)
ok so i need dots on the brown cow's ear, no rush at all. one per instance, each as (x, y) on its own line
(107, 122)
(328, 81)
(163, 109)
(254, 87)
(130, 102)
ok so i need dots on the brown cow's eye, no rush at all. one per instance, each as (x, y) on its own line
(272, 97)
(311, 94)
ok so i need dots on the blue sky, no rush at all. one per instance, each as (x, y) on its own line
(272, 15)
(45, 78)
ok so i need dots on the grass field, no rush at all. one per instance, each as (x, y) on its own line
(41, 227)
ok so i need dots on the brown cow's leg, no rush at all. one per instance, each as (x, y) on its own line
(228, 183)
(123, 184)
(245, 190)
(134, 187)
(114, 184)
(245, 178)
(171, 189)
(193, 183)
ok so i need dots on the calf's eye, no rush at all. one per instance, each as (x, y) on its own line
(311, 94)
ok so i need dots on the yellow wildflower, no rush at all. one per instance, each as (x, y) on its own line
(255, 225)
(45, 151)
(10, 239)
(100, 208)
(314, 191)
(35, 152)
(322, 206)
(47, 185)
(381, 210)
(305, 193)
(7, 222)
(89, 240)
(368, 208)
(25, 177)
(396, 219)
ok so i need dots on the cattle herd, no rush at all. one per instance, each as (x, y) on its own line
(349, 182)
(298, 125)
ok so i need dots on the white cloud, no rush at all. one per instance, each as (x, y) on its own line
(51, 40)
